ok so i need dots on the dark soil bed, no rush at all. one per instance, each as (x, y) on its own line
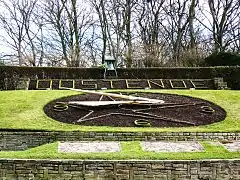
(177, 111)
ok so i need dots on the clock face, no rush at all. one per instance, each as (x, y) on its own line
(176, 111)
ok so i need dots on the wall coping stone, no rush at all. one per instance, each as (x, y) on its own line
(118, 161)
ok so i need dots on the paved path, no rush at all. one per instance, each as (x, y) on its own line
(232, 146)
(159, 146)
(151, 146)
(90, 146)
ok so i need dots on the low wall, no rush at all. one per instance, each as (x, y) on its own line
(120, 170)
(24, 140)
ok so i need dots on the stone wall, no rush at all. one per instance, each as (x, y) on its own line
(19, 140)
(120, 170)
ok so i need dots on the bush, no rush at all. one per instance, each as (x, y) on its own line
(223, 59)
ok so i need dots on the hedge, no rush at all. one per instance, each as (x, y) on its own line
(223, 59)
(231, 74)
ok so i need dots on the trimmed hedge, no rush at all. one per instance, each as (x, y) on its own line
(231, 74)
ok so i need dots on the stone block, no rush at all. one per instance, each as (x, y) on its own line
(161, 176)
(139, 172)
(122, 177)
(143, 177)
(158, 166)
(123, 166)
(121, 171)
(90, 176)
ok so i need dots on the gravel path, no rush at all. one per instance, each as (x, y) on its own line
(232, 146)
(158, 146)
(87, 147)
(172, 146)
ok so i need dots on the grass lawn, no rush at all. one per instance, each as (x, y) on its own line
(24, 110)
(130, 150)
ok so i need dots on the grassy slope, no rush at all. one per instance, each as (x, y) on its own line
(23, 110)
(130, 150)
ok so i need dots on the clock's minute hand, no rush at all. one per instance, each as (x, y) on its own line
(132, 98)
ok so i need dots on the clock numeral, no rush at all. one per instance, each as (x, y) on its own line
(60, 106)
(142, 123)
(207, 109)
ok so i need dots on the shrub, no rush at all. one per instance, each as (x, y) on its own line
(223, 59)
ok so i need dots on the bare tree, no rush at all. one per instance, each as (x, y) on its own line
(149, 27)
(224, 15)
(175, 26)
(128, 6)
(116, 38)
(115, 21)
(27, 13)
(191, 54)
(138, 33)
(16, 20)
(70, 22)
(234, 35)
(192, 14)
(99, 6)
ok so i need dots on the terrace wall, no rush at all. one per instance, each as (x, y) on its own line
(23, 140)
(120, 170)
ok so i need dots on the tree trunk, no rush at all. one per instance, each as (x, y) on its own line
(128, 33)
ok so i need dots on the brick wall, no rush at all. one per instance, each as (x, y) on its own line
(120, 170)
(10, 140)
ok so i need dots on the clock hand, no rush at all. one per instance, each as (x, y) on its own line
(113, 95)
(135, 114)
(163, 118)
(173, 105)
(84, 118)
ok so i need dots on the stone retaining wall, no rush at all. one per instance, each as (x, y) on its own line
(24, 140)
(120, 170)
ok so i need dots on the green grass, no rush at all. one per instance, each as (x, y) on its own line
(130, 150)
(24, 110)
